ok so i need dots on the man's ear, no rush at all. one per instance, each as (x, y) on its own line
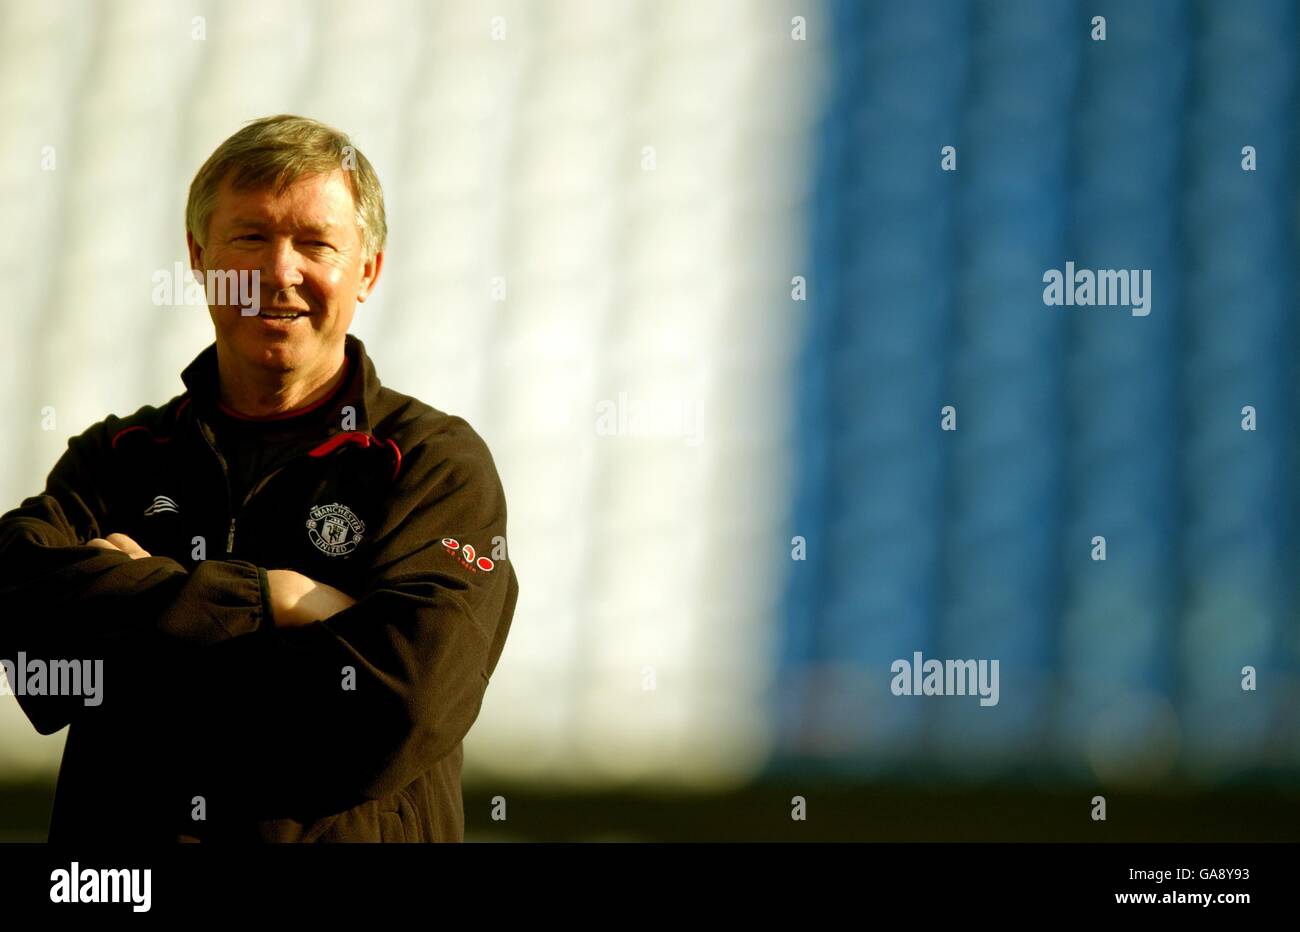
(370, 276)
(196, 252)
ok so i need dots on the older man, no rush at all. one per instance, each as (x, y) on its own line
(294, 576)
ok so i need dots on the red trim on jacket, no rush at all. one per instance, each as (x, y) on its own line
(127, 430)
(332, 444)
(152, 436)
(362, 438)
(397, 453)
(318, 451)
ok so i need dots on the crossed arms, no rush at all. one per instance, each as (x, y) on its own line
(296, 599)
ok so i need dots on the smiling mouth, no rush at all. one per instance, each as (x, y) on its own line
(281, 315)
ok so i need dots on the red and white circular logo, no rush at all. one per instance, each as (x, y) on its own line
(467, 556)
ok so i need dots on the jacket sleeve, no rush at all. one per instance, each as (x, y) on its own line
(321, 717)
(61, 599)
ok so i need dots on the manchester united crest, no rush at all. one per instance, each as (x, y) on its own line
(334, 529)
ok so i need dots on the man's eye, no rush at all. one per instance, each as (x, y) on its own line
(249, 236)
(317, 242)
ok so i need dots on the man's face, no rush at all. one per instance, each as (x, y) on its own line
(307, 247)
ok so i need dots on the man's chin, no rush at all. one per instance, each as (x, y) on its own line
(280, 355)
(271, 351)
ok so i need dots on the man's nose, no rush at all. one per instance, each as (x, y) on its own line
(285, 265)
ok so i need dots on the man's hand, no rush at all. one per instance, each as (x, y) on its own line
(300, 600)
(119, 542)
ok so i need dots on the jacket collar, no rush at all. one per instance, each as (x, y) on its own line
(362, 391)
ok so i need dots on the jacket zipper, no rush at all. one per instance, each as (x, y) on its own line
(225, 472)
(257, 487)
(225, 475)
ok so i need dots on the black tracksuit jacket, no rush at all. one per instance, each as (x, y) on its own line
(214, 724)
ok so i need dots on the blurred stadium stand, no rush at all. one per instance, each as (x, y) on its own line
(1072, 422)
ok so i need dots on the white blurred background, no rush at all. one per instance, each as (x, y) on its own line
(591, 204)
